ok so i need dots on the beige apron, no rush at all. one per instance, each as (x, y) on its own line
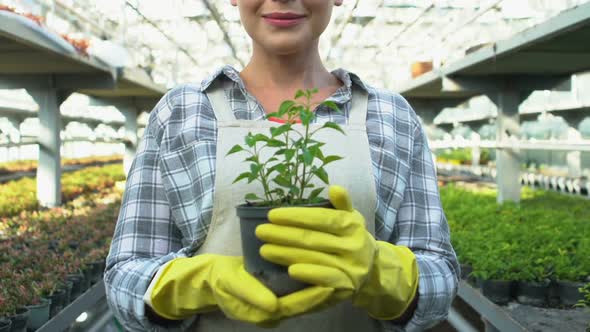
(353, 172)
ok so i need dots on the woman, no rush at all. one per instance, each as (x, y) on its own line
(174, 261)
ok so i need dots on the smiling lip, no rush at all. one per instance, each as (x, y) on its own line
(283, 19)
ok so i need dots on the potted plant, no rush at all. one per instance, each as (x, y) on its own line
(7, 307)
(284, 163)
(492, 280)
(532, 285)
(20, 314)
(571, 276)
(37, 305)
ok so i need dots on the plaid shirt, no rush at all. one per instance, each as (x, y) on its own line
(161, 219)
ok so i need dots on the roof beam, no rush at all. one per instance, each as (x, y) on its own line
(58, 81)
(491, 84)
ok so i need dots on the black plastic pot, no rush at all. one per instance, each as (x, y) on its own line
(569, 293)
(76, 280)
(553, 294)
(497, 291)
(5, 325)
(532, 293)
(87, 271)
(57, 302)
(273, 276)
(97, 268)
(68, 290)
(20, 320)
(466, 269)
(38, 314)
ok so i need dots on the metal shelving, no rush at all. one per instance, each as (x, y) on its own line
(68, 315)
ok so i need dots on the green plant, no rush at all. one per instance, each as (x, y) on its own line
(585, 302)
(8, 302)
(546, 236)
(286, 173)
(21, 195)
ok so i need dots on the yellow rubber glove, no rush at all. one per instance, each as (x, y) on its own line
(332, 248)
(392, 283)
(204, 283)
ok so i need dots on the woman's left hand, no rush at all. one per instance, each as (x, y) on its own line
(321, 246)
(332, 248)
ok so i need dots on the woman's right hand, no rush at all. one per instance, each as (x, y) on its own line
(203, 283)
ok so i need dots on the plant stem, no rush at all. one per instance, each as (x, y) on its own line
(267, 193)
(286, 162)
(305, 140)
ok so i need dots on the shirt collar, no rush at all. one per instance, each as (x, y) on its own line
(341, 96)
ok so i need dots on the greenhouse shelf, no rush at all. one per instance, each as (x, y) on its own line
(68, 315)
(515, 316)
(537, 145)
(492, 313)
(578, 187)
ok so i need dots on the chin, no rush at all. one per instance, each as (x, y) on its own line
(285, 47)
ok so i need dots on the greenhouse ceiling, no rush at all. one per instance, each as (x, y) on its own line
(180, 41)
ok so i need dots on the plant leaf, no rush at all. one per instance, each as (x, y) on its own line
(305, 117)
(253, 159)
(250, 141)
(278, 167)
(252, 177)
(282, 181)
(298, 143)
(241, 177)
(334, 126)
(280, 130)
(255, 168)
(234, 149)
(315, 193)
(271, 115)
(299, 94)
(289, 153)
(316, 152)
(307, 157)
(275, 143)
(285, 107)
(296, 110)
(316, 200)
(261, 138)
(321, 174)
(294, 190)
(330, 159)
(251, 196)
(332, 105)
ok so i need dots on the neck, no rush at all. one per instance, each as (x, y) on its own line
(289, 72)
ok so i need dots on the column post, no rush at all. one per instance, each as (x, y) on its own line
(507, 160)
(49, 168)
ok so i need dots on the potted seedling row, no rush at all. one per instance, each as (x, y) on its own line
(13, 317)
(292, 159)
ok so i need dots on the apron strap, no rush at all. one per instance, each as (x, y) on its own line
(358, 110)
(220, 104)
